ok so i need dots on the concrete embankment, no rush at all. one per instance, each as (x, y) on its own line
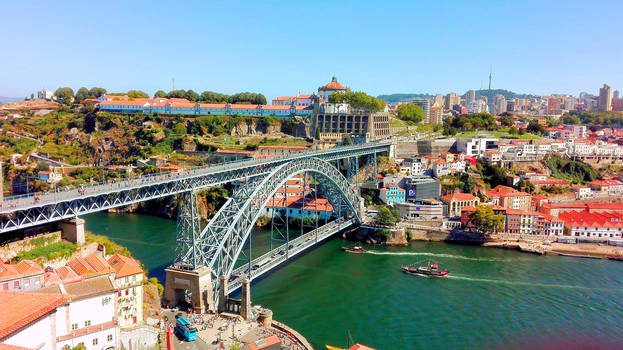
(541, 245)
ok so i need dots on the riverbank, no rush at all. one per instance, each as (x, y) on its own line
(541, 245)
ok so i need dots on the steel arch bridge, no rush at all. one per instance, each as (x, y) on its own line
(219, 244)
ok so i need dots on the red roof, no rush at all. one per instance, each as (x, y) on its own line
(283, 147)
(264, 343)
(587, 219)
(458, 197)
(304, 97)
(235, 151)
(549, 182)
(20, 309)
(284, 98)
(124, 266)
(333, 85)
(360, 347)
(602, 183)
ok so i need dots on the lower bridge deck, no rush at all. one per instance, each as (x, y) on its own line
(264, 263)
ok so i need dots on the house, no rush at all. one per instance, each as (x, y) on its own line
(23, 276)
(129, 283)
(27, 319)
(582, 192)
(512, 179)
(89, 317)
(392, 194)
(456, 201)
(51, 176)
(509, 197)
(492, 156)
(277, 151)
(593, 225)
(610, 187)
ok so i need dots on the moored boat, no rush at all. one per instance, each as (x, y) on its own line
(430, 269)
(355, 249)
(616, 257)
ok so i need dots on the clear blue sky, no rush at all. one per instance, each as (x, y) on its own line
(281, 48)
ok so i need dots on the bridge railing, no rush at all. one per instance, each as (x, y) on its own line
(103, 187)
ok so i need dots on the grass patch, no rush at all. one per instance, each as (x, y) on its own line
(111, 247)
(501, 134)
(48, 252)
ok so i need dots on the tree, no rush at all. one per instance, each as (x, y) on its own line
(82, 94)
(192, 96)
(469, 184)
(213, 97)
(507, 120)
(386, 217)
(137, 94)
(180, 129)
(536, 128)
(64, 95)
(485, 221)
(357, 99)
(410, 112)
(97, 92)
(160, 94)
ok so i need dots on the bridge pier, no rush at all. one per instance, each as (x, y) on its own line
(73, 230)
(197, 281)
(222, 293)
(245, 302)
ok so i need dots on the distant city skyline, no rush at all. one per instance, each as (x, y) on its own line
(276, 49)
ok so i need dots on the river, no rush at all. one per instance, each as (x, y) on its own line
(493, 298)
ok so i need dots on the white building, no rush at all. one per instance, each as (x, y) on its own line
(45, 94)
(476, 147)
(129, 283)
(61, 316)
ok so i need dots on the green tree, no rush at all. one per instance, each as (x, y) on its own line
(507, 120)
(469, 184)
(97, 92)
(137, 94)
(192, 96)
(160, 94)
(82, 94)
(386, 217)
(180, 129)
(64, 95)
(357, 99)
(536, 128)
(485, 221)
(213, 97)
(410, 112)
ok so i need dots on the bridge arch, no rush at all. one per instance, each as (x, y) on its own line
(224, 236)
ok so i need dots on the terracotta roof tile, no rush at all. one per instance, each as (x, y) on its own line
(20, 309)
(124, 266)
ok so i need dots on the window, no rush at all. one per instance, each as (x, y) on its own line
(16, 285)
(127, 292)
(5, 286)
(95, 341)
(109, 337)
(87, 323)
(74, 326)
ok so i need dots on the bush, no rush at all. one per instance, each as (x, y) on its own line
(48, 252)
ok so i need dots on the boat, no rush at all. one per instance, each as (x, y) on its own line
(355, 249)
(616, 257)
(430, 269)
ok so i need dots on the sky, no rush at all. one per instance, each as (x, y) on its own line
(286, 47)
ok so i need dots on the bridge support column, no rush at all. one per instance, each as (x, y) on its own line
(245, 302)
(73, 230)
(198, 282)
(222, 293)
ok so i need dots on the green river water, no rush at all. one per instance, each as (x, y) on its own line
(493, 298)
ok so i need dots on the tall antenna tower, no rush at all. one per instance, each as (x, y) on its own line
(490, 74)
(173, 84)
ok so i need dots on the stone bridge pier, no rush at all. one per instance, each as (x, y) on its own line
(198, 282)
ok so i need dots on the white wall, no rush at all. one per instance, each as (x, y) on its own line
(35, 335)
(93, 309)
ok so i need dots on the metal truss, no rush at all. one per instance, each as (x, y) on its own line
(27, 211)
(224, 237)
(188, 248)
